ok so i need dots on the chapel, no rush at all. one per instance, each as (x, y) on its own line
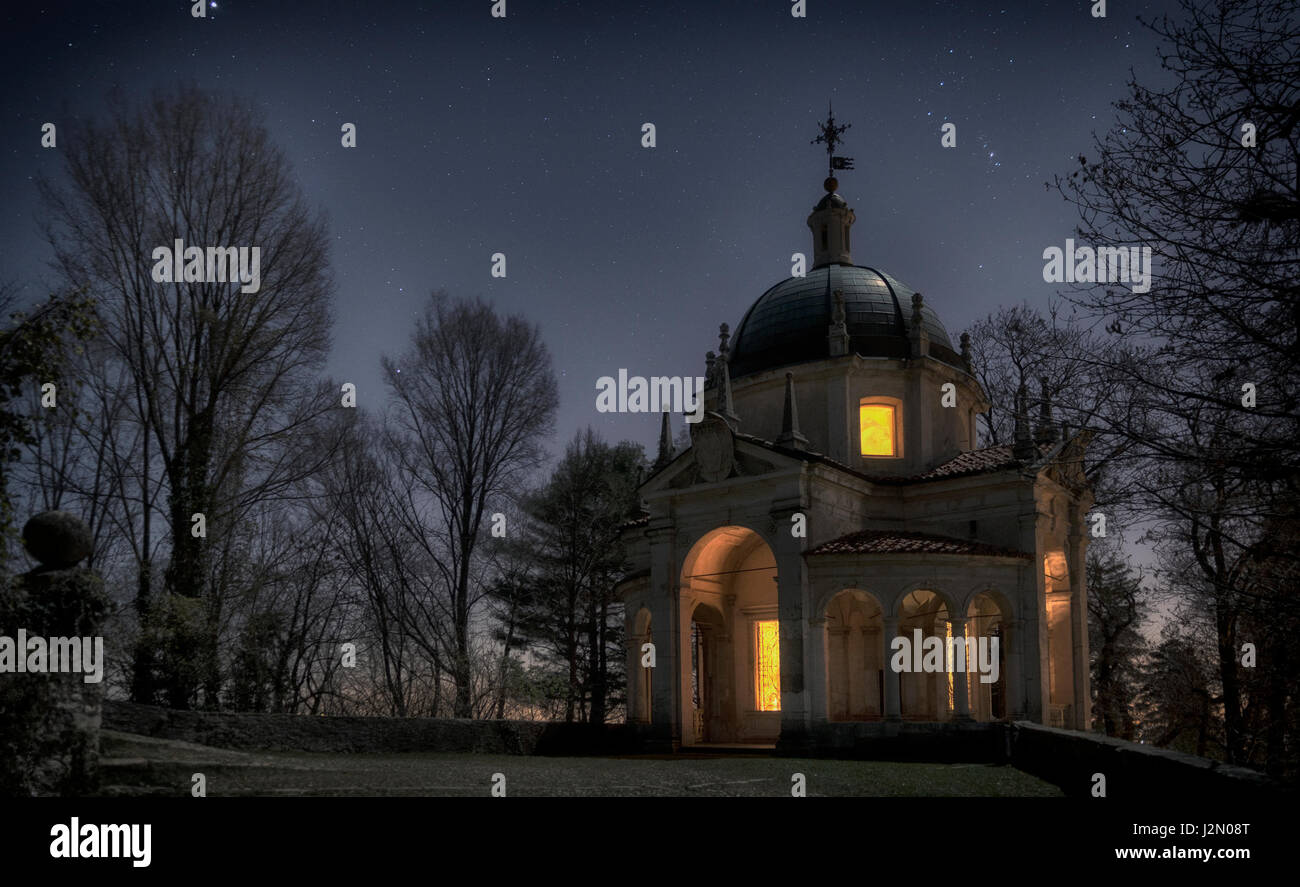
(833, 498)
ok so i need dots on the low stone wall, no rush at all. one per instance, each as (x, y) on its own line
(1133, 771)
(278, 732)
(904, 741)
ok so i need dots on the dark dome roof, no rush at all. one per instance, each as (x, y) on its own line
(789, 323)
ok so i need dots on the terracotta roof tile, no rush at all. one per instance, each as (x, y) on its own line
(995, 458)
(974, 462)
(907, 542)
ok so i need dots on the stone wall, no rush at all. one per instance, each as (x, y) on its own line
(1133, 771)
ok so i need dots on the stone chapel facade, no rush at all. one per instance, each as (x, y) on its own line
(842, 406)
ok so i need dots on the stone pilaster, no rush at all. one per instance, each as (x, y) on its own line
(664, 604)
(960, 679)
(892, 710)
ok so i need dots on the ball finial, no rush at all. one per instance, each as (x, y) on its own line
(57, 539)
(831, 184)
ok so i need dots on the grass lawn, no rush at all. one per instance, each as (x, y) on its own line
(139, 765)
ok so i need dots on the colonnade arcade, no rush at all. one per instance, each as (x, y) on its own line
(856, 633)
(728, 662)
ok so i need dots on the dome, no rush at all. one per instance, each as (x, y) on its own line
(789, 324)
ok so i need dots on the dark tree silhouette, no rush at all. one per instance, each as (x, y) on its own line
(218, 378)
(474, 398)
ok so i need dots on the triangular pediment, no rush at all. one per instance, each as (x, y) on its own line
(689, 469)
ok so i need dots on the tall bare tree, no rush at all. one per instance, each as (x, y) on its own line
(1204, 170)
(473, 400)
(219, 378)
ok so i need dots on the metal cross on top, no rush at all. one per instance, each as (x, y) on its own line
(832, 135)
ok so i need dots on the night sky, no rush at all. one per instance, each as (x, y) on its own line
(523, 135)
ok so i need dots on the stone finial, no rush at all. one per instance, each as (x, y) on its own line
(724, 336)
(58, 539)
(52, 746)
(790, 434)
(1022, 446)
(919, 337)
(839, 330)
(666, 451)
(1046, 431)
(965, 351)
(724, 393)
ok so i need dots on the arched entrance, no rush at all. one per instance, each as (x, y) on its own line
(708, 672)
(730, 661)
(855, 677)
(986, 620)
(924, 695)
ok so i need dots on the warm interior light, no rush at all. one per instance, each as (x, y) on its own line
(1056, 571)
(767, 678)
(948, 646)
(877, 425)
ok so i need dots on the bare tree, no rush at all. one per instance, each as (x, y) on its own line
(474, 397)
(219, 378)
(1206, 173)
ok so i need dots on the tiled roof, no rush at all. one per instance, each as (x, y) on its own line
(995, 458)
(905, 542)
(974, 462)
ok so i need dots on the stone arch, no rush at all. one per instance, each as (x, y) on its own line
(728, 605)
(855, 662)
(988, 618)
(1006, 605)
(926, 695)
(1060, 601)
(896, 604)
(707, 548)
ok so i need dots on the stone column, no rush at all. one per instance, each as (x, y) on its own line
(50, 718)
(1013, 640)
(665, 679)
(818, 680)
(960, 685)
(892, 711)
(1031, 645)
(1076, 557)
(791, 593)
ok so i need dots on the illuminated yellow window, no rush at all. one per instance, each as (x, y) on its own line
(877, 425)
(767, 676)
(948, 641)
